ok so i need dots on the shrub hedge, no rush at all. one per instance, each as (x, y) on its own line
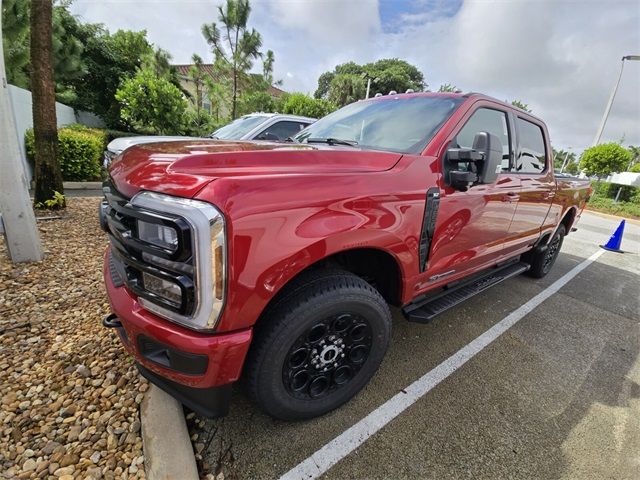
(80, 151)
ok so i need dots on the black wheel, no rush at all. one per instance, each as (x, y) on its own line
(317, 346)
(543, 260)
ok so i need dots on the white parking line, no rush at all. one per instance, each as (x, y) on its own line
(345, 443)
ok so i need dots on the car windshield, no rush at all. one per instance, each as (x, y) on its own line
(397, 124)
(238, 128)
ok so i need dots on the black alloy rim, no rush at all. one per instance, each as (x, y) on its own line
(552, 252)
(327, 356)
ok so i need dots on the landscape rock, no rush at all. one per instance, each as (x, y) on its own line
(63, 377)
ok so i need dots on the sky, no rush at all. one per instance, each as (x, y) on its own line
(562, 58)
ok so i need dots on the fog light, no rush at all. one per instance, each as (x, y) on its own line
(158, 235)
(163, 288)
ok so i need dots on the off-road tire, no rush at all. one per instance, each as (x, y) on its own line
(324, 298)
(542, 261)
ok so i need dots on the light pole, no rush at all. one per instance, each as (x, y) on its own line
(596, 140)
(366, 75)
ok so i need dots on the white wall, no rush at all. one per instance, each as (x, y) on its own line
(21, 105)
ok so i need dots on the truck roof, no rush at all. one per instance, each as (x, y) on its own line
(474, 95)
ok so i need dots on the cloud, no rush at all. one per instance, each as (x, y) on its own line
(562, 58)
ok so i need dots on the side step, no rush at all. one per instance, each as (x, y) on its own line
(425, 310)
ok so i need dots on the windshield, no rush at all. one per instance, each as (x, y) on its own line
(396, 124)
(238, 128)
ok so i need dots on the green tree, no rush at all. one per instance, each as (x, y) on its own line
(604, 159)
(324, 81)
(386, 75)
(567, 159)
(197, 76)
(257, 101)
(110, 59)
(47, 169)
(68, 64)
(635, 168)
(15, 41)
(521, 105)
(267, 68)
(301, 104)
(447, 88)
(635, 154)
(235, 47)
(346, 88)
(152, 103)
(395, 74)
(66, 46)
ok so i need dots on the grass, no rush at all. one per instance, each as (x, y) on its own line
(607, 205)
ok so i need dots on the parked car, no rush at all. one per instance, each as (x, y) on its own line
(256, 126)
(277, 262)
(263, 126)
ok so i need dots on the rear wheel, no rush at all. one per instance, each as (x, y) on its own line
(318, 346)
(542, 260)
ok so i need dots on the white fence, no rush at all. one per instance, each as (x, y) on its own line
(21, 105)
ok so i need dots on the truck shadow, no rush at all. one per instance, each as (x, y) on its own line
(553, 396)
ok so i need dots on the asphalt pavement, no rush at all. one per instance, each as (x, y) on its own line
(555, 396)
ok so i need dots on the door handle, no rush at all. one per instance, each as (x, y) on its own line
(510, 197)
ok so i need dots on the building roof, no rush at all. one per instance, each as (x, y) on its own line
(183, 70)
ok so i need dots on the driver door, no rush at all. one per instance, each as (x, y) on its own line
(472, 226)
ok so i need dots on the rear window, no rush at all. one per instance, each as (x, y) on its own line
(532, 147)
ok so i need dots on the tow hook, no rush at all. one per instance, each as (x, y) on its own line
(112, 321)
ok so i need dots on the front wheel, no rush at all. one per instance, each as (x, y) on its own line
(318, 346)
(543, 260)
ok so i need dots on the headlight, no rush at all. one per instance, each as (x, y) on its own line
(158, 235)
(204, 263)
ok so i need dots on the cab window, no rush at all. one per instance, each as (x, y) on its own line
(487, 120)
(532, 147)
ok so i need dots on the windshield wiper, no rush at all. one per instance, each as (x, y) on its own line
(332, 141)
(291, 140)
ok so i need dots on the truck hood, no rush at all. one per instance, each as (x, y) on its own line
(117, 145)
(183, 168)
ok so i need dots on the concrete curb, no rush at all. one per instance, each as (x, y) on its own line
(82, 185)
(168, 453)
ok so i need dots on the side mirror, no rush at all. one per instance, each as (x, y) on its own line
(491, 148)
(465, 167)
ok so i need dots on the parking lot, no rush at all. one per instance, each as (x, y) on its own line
(557, 395)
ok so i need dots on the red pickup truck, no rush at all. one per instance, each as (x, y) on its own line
(275, 263)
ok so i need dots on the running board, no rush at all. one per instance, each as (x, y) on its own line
(423, 311)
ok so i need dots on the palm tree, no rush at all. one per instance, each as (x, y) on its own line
(235, 47)
(47, 169)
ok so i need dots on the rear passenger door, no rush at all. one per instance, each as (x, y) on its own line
(533, 168)
(282, 129)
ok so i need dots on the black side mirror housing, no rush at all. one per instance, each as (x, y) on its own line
(491, 148)
(465, 167)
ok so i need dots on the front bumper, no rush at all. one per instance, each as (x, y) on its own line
(191, 366)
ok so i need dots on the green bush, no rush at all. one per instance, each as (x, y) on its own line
(80, 151)
(301, 104)
(152, 104)
(610, 190)
(607, 205)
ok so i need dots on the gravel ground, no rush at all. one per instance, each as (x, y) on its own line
(69, 395)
